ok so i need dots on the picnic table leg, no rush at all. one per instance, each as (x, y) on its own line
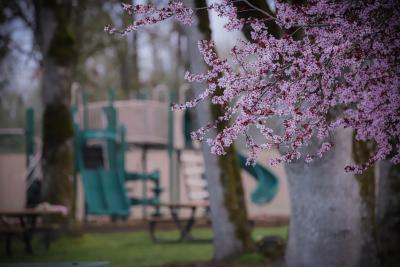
(152, 229)
(28, 242)
(8, 244)
(46, 239)
(177, 221)
(27, 236)
(188, 228)
(185, 231)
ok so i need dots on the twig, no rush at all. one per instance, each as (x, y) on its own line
(259, 9)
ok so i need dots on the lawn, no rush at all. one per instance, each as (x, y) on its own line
(129, 249)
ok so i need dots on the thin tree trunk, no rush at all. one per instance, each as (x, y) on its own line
(128, 60)
(124, 68)
(58, 48)
(228, 210)
(135, 64)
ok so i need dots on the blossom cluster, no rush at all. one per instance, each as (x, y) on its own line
(152, 15)
(342, 72)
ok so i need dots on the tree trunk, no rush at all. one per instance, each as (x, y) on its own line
(362, 151)
(333, 213)
(124, 68)
(325, 225)
(128, 60)
(388, 213)
(228, 211)
(57, 44)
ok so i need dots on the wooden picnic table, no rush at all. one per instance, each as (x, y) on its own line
(184, 225)
(26, 225)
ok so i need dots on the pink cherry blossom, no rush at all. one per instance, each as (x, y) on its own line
(343, 72)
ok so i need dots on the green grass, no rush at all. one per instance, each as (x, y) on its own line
(130, 249)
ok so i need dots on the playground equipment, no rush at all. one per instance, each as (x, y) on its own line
(150, 124)
(103, 133)
(28, 190)
(29, 134)
(267, 182)
(100, 160)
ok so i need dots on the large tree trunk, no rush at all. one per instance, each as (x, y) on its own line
(228, 210)
(388, 213)
(333, 213)
(58, 48)
(325, 225)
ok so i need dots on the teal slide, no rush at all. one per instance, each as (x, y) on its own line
(105, 193)
(267, 186)
(102, 168)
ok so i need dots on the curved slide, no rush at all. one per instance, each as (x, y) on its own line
(105, 193)
(105, 190)
(267, 186)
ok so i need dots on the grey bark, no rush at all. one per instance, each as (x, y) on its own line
(57, 44)
(226, 244)
(325, 225)
(128, 66)
(388, 213)
(333, 220)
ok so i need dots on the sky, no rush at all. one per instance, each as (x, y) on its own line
(24, 62)
(24, 82)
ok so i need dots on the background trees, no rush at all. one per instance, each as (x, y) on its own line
(54, 24)
(56, 34)
(54, 44)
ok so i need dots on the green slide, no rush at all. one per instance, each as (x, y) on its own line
(102, 168)
(267, 186)
(105, 193)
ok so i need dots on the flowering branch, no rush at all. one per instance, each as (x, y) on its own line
(342, 73)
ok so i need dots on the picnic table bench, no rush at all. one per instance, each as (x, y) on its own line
(184, 225)
(24, 223)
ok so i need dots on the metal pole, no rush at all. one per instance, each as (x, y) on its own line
(144, 183)
(29, 135)
(171, 153)
(85, 111)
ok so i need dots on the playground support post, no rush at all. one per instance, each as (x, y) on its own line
(29, 135)
(170, 156)
(144, 182)
(173, 157)
(85, 111)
